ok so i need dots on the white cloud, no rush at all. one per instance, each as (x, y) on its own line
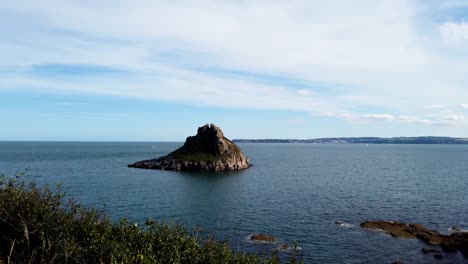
(413, 120)
(454, 33)
(454, 3)
(367, 117)
(451, 120)
(177, 85)
(262, 35)
(465, 106)
(455, 118)
(304, 92)
(434, 106)
(378, 117)
(324, 114)
(448, 120)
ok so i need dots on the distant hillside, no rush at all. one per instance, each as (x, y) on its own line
(364, 140)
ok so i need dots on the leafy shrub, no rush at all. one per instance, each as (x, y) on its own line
(38, 225)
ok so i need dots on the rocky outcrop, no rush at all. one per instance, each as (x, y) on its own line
(209, 150)
(450, 243)
(262, 238)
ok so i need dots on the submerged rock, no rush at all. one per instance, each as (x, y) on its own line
(209, 150)
(284, 247)
(451, 243)
(403, 230)
(262, 238)
(427, 250)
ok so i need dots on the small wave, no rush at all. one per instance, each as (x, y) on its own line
(457, 230)
(344, 224)
(375, 230)
(287, 248)
(348, 225)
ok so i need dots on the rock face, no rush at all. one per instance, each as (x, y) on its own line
(450, 243)
(262, 238)
(209, 150)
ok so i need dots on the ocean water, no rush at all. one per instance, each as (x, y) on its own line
(294, 192)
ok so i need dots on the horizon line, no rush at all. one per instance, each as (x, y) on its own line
(234, 139)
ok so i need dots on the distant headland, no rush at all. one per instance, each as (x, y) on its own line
(364, 140)
(209, 150)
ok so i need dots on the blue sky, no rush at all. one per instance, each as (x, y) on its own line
(156, 70)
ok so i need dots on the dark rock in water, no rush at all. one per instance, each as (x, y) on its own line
(262, 238)
(427, 250)
(451, 243)
(209, 150)
(455, 229)
(398, 262)
(284, 247)
(402, 230)
(457, 241)
(438, 256)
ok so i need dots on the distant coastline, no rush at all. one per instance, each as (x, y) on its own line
(364, 140)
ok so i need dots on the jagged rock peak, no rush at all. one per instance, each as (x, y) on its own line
(209, 139)
(210, 129)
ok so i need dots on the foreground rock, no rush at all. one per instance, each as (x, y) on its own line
(262, 238)
(209, 150)
(450, 243)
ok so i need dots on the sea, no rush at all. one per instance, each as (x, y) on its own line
(294, 192)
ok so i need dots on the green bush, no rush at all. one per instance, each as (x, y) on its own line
(38, 225)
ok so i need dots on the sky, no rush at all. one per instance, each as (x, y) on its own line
(116, 70)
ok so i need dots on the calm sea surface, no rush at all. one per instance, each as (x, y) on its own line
(293, 192)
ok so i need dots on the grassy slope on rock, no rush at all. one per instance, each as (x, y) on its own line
(37, 225)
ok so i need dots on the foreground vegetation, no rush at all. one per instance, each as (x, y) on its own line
(38, 225)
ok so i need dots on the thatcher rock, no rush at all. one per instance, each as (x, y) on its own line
(209, 150)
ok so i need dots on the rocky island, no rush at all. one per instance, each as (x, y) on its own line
(208, 150)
